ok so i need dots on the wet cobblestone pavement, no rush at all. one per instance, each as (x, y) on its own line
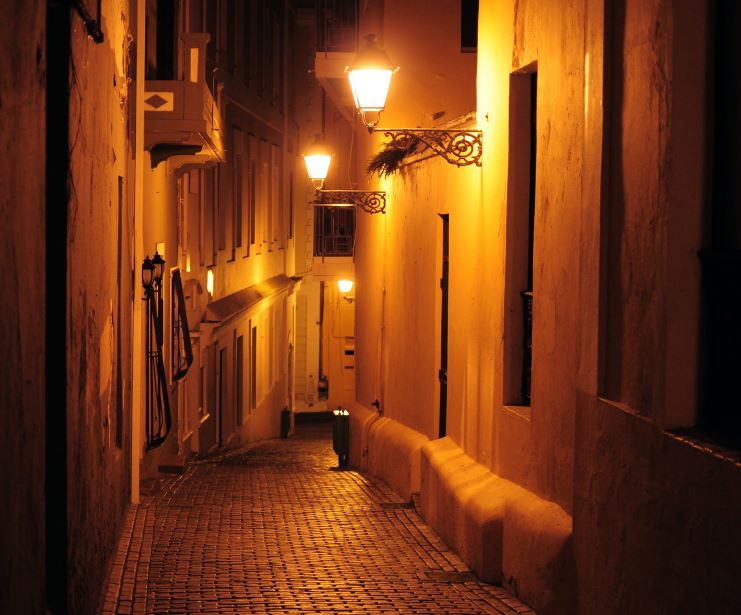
(275, 529)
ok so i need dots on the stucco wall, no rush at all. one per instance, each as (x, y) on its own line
(22, 98)
(534, 447)
(99, 296)
(660, 514)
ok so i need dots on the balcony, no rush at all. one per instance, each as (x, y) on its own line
(182, 124)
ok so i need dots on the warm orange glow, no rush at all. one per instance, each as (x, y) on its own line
(317, 161)
(345, 286)
(317, 165)
(210, 282)
(370, 87)
(370, 78)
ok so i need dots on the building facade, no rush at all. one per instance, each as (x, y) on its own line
(538, 331)
(538, 348)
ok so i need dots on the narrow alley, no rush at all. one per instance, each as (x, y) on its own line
(275, 528)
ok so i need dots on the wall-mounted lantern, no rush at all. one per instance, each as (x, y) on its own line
(159, 269)
(317, 161)
(345, 286)
(370, 78)
(317, 167)
(147, 274)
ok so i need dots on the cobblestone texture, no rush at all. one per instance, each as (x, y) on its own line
(276, 529)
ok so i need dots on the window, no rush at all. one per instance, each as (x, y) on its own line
(290, 206)
(208, 219)
(469, 25)
(239, 382)
(253, 367)
(252, 191)
(276, 209)
(720, 400)
(334, 231)
(237, 188)
(518, 323)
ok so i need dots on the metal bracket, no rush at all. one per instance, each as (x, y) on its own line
(373, 202)
(459, 147)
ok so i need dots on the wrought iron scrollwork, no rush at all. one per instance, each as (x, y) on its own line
(373, 202)
(459, 147)
(181, 350)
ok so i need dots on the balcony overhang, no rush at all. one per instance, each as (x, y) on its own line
(329, 69)
(182, 123)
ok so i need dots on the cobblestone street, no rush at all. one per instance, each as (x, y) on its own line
(276, 528)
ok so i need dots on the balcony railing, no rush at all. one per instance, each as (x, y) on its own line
(334, 231)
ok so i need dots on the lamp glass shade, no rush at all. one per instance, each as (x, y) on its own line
(317, 165)
(159, 267)
(147, 273)
(370, 76)
(345, 286)
(370, 87)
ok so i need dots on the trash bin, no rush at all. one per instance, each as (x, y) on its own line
(341, 435)
(285, 422)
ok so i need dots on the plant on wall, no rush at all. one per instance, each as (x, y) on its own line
(388, 161)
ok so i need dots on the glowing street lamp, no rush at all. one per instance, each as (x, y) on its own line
(370, 78)
(345, 286)
(317, 163)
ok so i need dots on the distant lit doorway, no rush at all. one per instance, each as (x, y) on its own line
(443, 371)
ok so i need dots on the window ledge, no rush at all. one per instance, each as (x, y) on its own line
(522, 412)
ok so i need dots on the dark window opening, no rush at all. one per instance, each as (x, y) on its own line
(469, 25)
(334, 231)
(521, 200)
(239, 382)
(721, 257)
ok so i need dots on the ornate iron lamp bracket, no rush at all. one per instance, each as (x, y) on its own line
(373, 202)
(459, 147)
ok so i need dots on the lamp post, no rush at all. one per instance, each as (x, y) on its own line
(370, 77)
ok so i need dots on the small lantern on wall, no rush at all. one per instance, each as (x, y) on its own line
(159, 268)
(147, 273)
(345, 286)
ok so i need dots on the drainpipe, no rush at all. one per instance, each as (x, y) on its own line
(137, 324)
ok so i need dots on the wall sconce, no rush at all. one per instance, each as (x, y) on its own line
(147, 274)
(317, 166)
(159, 269)
(317, 162)
(345, 286)
(370, 78)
